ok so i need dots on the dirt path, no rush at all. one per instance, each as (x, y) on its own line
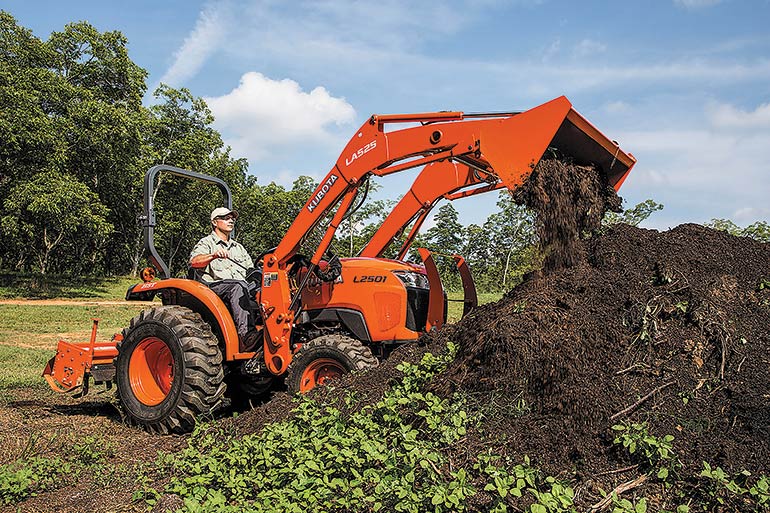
(72, 302)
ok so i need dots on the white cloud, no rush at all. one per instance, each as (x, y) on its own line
(344, 38)
(728, 116)
(552, 50)
(705, 168)
(696, 4)
(202, 42)
(588, 48)
(617, 107)
(262, 114)
(679, 73)
(750, 214)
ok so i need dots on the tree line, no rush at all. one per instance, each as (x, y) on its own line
(76, 141)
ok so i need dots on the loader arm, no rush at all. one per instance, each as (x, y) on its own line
(498, 148)
(438, 180)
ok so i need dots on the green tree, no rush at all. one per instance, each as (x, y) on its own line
(98, 63)
(444, 239)
(512, 243)
(31, 123)
(759, 230)
(266, 212)
(72, 105)
(633, 216)
(61, 219)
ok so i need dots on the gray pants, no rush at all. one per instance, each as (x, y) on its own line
(235, 294)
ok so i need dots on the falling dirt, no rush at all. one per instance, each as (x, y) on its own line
(569, 201)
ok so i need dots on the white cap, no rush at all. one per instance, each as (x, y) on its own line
(222, 211)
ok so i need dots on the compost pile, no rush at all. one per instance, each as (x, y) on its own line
(680, 314)
(666, 328)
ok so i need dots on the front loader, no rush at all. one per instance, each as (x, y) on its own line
(320, 316)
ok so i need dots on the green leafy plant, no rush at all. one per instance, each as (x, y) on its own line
(626, 506)
(27, 477)
(549, 494)
(719, 488)
(556, 498)
(760, 492)
(389, 456)
(648, 324)
(91, 450)
(655, 455)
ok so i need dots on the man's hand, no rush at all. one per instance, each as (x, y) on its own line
(221, 253)
(201, 261)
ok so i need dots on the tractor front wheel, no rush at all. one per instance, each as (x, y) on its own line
(168, 370)
(327, 358)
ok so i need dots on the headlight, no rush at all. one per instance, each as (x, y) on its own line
(413, 279)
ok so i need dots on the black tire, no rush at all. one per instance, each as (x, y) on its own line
(342, 355)
(191, 388)
(244, 390)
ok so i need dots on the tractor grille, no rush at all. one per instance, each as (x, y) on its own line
(416, 308)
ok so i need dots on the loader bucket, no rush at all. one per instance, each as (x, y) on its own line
(514, 149)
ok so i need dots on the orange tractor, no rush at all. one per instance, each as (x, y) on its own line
(320, 316)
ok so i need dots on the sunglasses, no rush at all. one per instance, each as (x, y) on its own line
(226, 218)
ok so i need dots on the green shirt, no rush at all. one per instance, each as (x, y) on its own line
(222, 268)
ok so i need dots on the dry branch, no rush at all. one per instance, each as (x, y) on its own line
(618, 471)
(640, 401)
(623, 487)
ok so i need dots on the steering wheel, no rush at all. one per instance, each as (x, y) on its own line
(262, 255)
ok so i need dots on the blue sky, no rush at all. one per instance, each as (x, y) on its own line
(682, 84)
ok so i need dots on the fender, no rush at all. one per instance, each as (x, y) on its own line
(211, 303)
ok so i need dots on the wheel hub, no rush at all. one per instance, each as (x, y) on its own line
(151, 371)
(320, 372)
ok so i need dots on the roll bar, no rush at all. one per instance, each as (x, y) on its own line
(148, 217)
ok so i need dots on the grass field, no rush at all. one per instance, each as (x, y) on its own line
(30, 328)
(455, 304)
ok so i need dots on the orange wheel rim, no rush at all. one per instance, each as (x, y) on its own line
(151, 371)
(319, 372)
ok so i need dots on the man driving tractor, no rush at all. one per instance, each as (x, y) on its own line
(224, 262)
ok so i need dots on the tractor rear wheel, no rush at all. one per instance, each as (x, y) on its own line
(326, 358)
(168, 370)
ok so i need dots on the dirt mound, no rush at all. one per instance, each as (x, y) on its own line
(669, 328)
